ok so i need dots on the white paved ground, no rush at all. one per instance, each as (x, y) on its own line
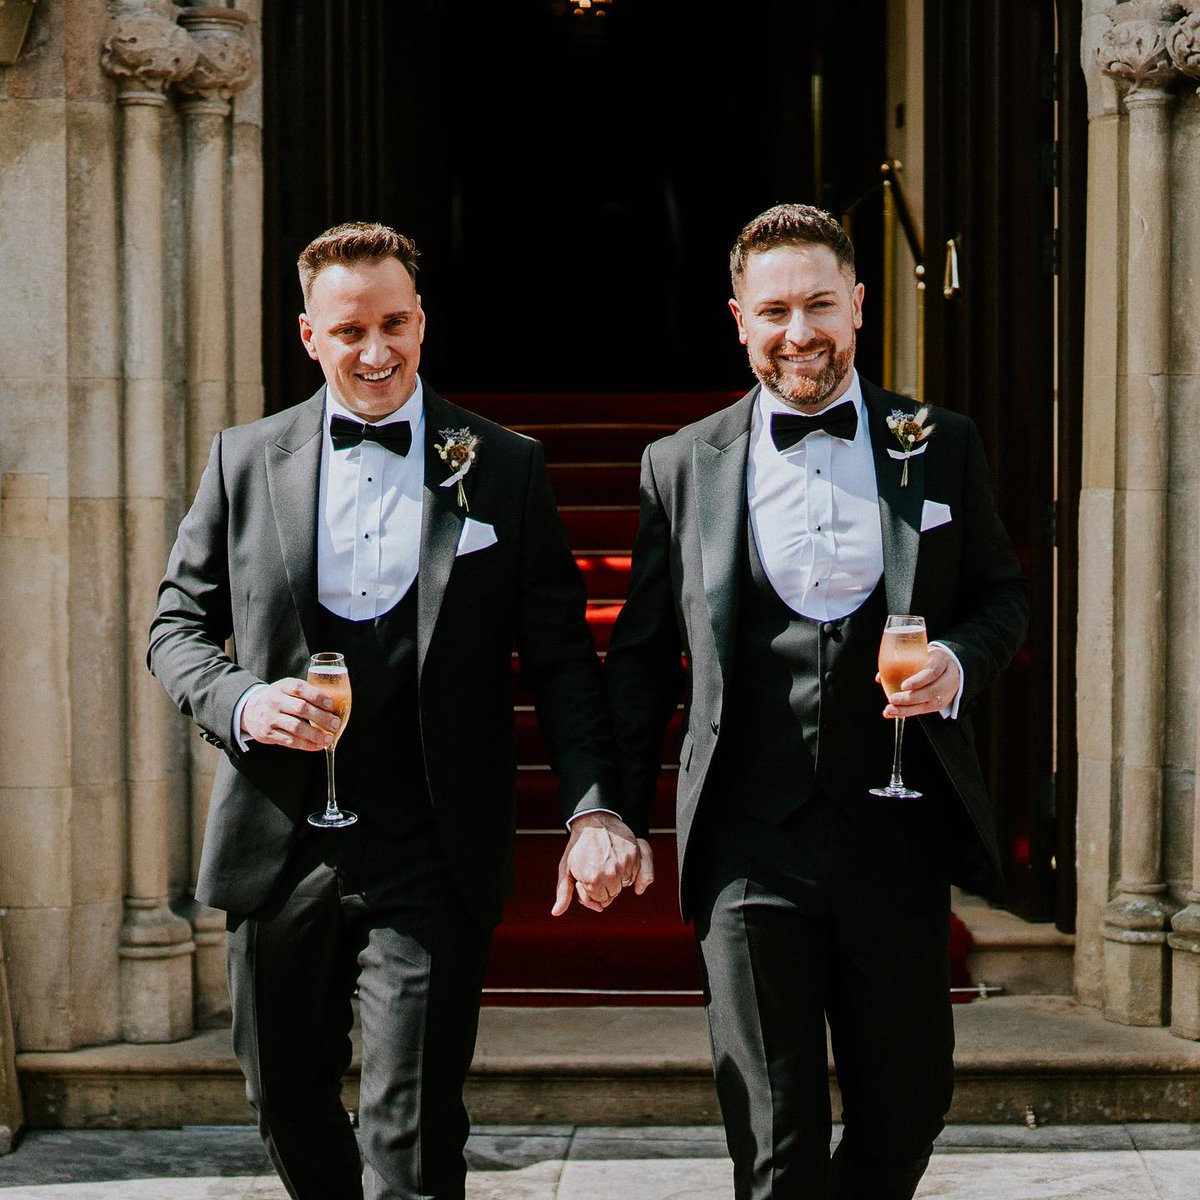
(978, 1162)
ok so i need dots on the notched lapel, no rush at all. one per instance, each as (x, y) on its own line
(899, 507)
(293, 466)
(441, 525)
(720, 475)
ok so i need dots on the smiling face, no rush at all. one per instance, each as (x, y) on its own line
(797, 312)
(364, 325)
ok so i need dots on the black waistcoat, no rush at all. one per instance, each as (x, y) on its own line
(803, 710)
(380, 764)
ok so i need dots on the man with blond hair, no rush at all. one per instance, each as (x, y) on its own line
(338, 525)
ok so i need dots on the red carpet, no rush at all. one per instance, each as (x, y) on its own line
(638, 951)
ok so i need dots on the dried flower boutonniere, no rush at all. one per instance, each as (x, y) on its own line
(911, 431)
(458, 450)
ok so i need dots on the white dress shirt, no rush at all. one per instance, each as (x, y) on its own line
(368, 523)
(814, 510)
(814, 514)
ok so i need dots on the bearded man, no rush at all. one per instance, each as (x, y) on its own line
(775, 538)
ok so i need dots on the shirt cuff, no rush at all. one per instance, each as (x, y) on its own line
(241, 739)
(950, 712)
(588, 812)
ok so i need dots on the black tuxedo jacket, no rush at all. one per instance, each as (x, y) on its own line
(245, 564)
(962, 576)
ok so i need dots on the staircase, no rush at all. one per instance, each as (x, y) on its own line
(637, 952)
(542, 1060)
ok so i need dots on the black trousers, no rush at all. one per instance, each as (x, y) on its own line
(357, 907)
(826, 920)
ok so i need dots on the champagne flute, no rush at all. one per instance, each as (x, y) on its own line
(327, 672)
(903, 651)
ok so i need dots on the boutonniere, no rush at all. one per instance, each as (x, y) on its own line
(911, 431)
(458, 451)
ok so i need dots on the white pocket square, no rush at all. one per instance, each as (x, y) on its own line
(933, 514)
(476, 535)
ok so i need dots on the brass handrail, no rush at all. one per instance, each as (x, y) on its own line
(896, 211)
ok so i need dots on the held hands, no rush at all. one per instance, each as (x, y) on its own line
(279, 714)
(929, 690)
(601, 858)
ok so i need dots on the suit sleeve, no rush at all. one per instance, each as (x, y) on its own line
(558, 656)
(643, 669)
(194, 620)
(993, 607)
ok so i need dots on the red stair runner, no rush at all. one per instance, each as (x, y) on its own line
(637, 951)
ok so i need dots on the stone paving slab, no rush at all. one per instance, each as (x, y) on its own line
(1119, 1162)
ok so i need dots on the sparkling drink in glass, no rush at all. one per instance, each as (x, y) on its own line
(327, 673)
(903, 652)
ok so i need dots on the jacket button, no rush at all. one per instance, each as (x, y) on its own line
(828, 677)
(829, 629)
(715, 727)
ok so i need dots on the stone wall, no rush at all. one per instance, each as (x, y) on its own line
(129, 236)
(130, 227)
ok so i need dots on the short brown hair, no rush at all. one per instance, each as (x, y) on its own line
(789, 225)
(355, 242)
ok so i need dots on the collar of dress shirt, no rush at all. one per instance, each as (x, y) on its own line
(769, 403)
(412, 410)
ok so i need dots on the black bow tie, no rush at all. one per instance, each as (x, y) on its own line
(345, 433)
(789, 428)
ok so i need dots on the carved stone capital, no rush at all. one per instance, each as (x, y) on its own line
(1183, 41)
(225, 62)
(1134, 50)
(144, 49)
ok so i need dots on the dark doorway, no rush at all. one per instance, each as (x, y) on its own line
(574, 182)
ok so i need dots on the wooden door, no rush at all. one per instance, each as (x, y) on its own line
(1001, 195)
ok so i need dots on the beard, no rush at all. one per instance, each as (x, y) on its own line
(806, 393)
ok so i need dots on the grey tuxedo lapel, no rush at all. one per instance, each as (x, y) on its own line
(294, 481)
(441, 524)
(899, 507)
(719, 470)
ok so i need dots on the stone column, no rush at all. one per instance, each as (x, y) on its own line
(1135, 921)
(145, 50)
(246, 236)
(1183, 45)
(224, 66)
(1097, 730)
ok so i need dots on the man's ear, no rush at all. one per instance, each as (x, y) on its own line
(736, 309)
(306, 335)
(856, 303)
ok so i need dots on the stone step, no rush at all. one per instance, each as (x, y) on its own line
(1045, 1055)
(1021, 957)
